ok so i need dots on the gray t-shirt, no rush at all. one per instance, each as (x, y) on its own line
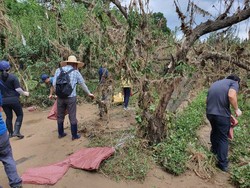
(217, 98)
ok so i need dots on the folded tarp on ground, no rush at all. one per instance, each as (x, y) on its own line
(87, 159)
(91, 158)
(46, 175)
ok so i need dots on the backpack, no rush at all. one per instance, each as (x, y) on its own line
(63, 86)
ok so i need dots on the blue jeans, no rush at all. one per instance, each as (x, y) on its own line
(9, 163)
(126, 91)
(219, 138)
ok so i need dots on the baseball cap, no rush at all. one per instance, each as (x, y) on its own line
(4, 65)
(44, 77)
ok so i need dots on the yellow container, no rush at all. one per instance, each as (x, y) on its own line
(118, 98)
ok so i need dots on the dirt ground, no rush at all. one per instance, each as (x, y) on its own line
(41, 147)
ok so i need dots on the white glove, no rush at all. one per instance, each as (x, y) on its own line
(91, 96)
(26, 93)
(238, 112)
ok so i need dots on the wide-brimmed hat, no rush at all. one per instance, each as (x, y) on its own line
(72, 59)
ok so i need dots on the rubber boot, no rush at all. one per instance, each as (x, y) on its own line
(74, 132)
(17, 186)
(10, 129)
(60, 129)
(16, 132)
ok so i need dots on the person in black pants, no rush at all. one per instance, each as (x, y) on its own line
(11, 90)
(221, 95)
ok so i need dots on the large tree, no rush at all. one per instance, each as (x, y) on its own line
(156, 128)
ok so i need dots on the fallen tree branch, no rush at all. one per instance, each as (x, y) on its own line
(244, 64)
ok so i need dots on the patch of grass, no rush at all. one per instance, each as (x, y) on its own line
(131, 161)
(172, 154)
(241, 176)
(240, 148)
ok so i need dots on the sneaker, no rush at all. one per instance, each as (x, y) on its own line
(63, 135)
(77, 137)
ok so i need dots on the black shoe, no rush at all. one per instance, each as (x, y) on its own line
(224, 169)
(63, 135)
(76, 137)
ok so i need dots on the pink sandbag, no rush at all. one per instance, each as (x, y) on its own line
(47, 175)
(90, 158)
(234, 122)
(87, 159)
(53, 112)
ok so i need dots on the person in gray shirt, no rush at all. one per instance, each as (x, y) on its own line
(221, 95)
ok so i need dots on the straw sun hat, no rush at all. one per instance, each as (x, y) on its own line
(72, 59)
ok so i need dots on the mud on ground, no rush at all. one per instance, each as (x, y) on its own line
(41, 147)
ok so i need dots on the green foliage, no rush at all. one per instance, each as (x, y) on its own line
(241, 176)
(131, 160)
(185, 68)
(161, 22)
(240, 153)
(172, 154)
(227, 38)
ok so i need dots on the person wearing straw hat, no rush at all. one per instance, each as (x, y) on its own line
(69, 103)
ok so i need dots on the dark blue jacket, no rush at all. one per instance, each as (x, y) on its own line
(103, 74)
(3, 128)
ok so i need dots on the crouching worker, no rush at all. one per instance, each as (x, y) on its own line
(49, 81)
(6, 156)
(65, 80)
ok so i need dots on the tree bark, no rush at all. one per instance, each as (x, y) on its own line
(156, 129)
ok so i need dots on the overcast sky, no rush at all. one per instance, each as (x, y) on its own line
(212, 6)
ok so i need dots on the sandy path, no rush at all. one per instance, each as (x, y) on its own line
(42, 147)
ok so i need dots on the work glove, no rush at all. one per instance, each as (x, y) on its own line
(238, 112)
(26, 93)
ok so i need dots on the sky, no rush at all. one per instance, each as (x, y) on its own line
(212, 6)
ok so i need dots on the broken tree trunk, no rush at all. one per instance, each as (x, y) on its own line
(156, 129)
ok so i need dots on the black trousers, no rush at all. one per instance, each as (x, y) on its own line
(8, 110)
(219, 138)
